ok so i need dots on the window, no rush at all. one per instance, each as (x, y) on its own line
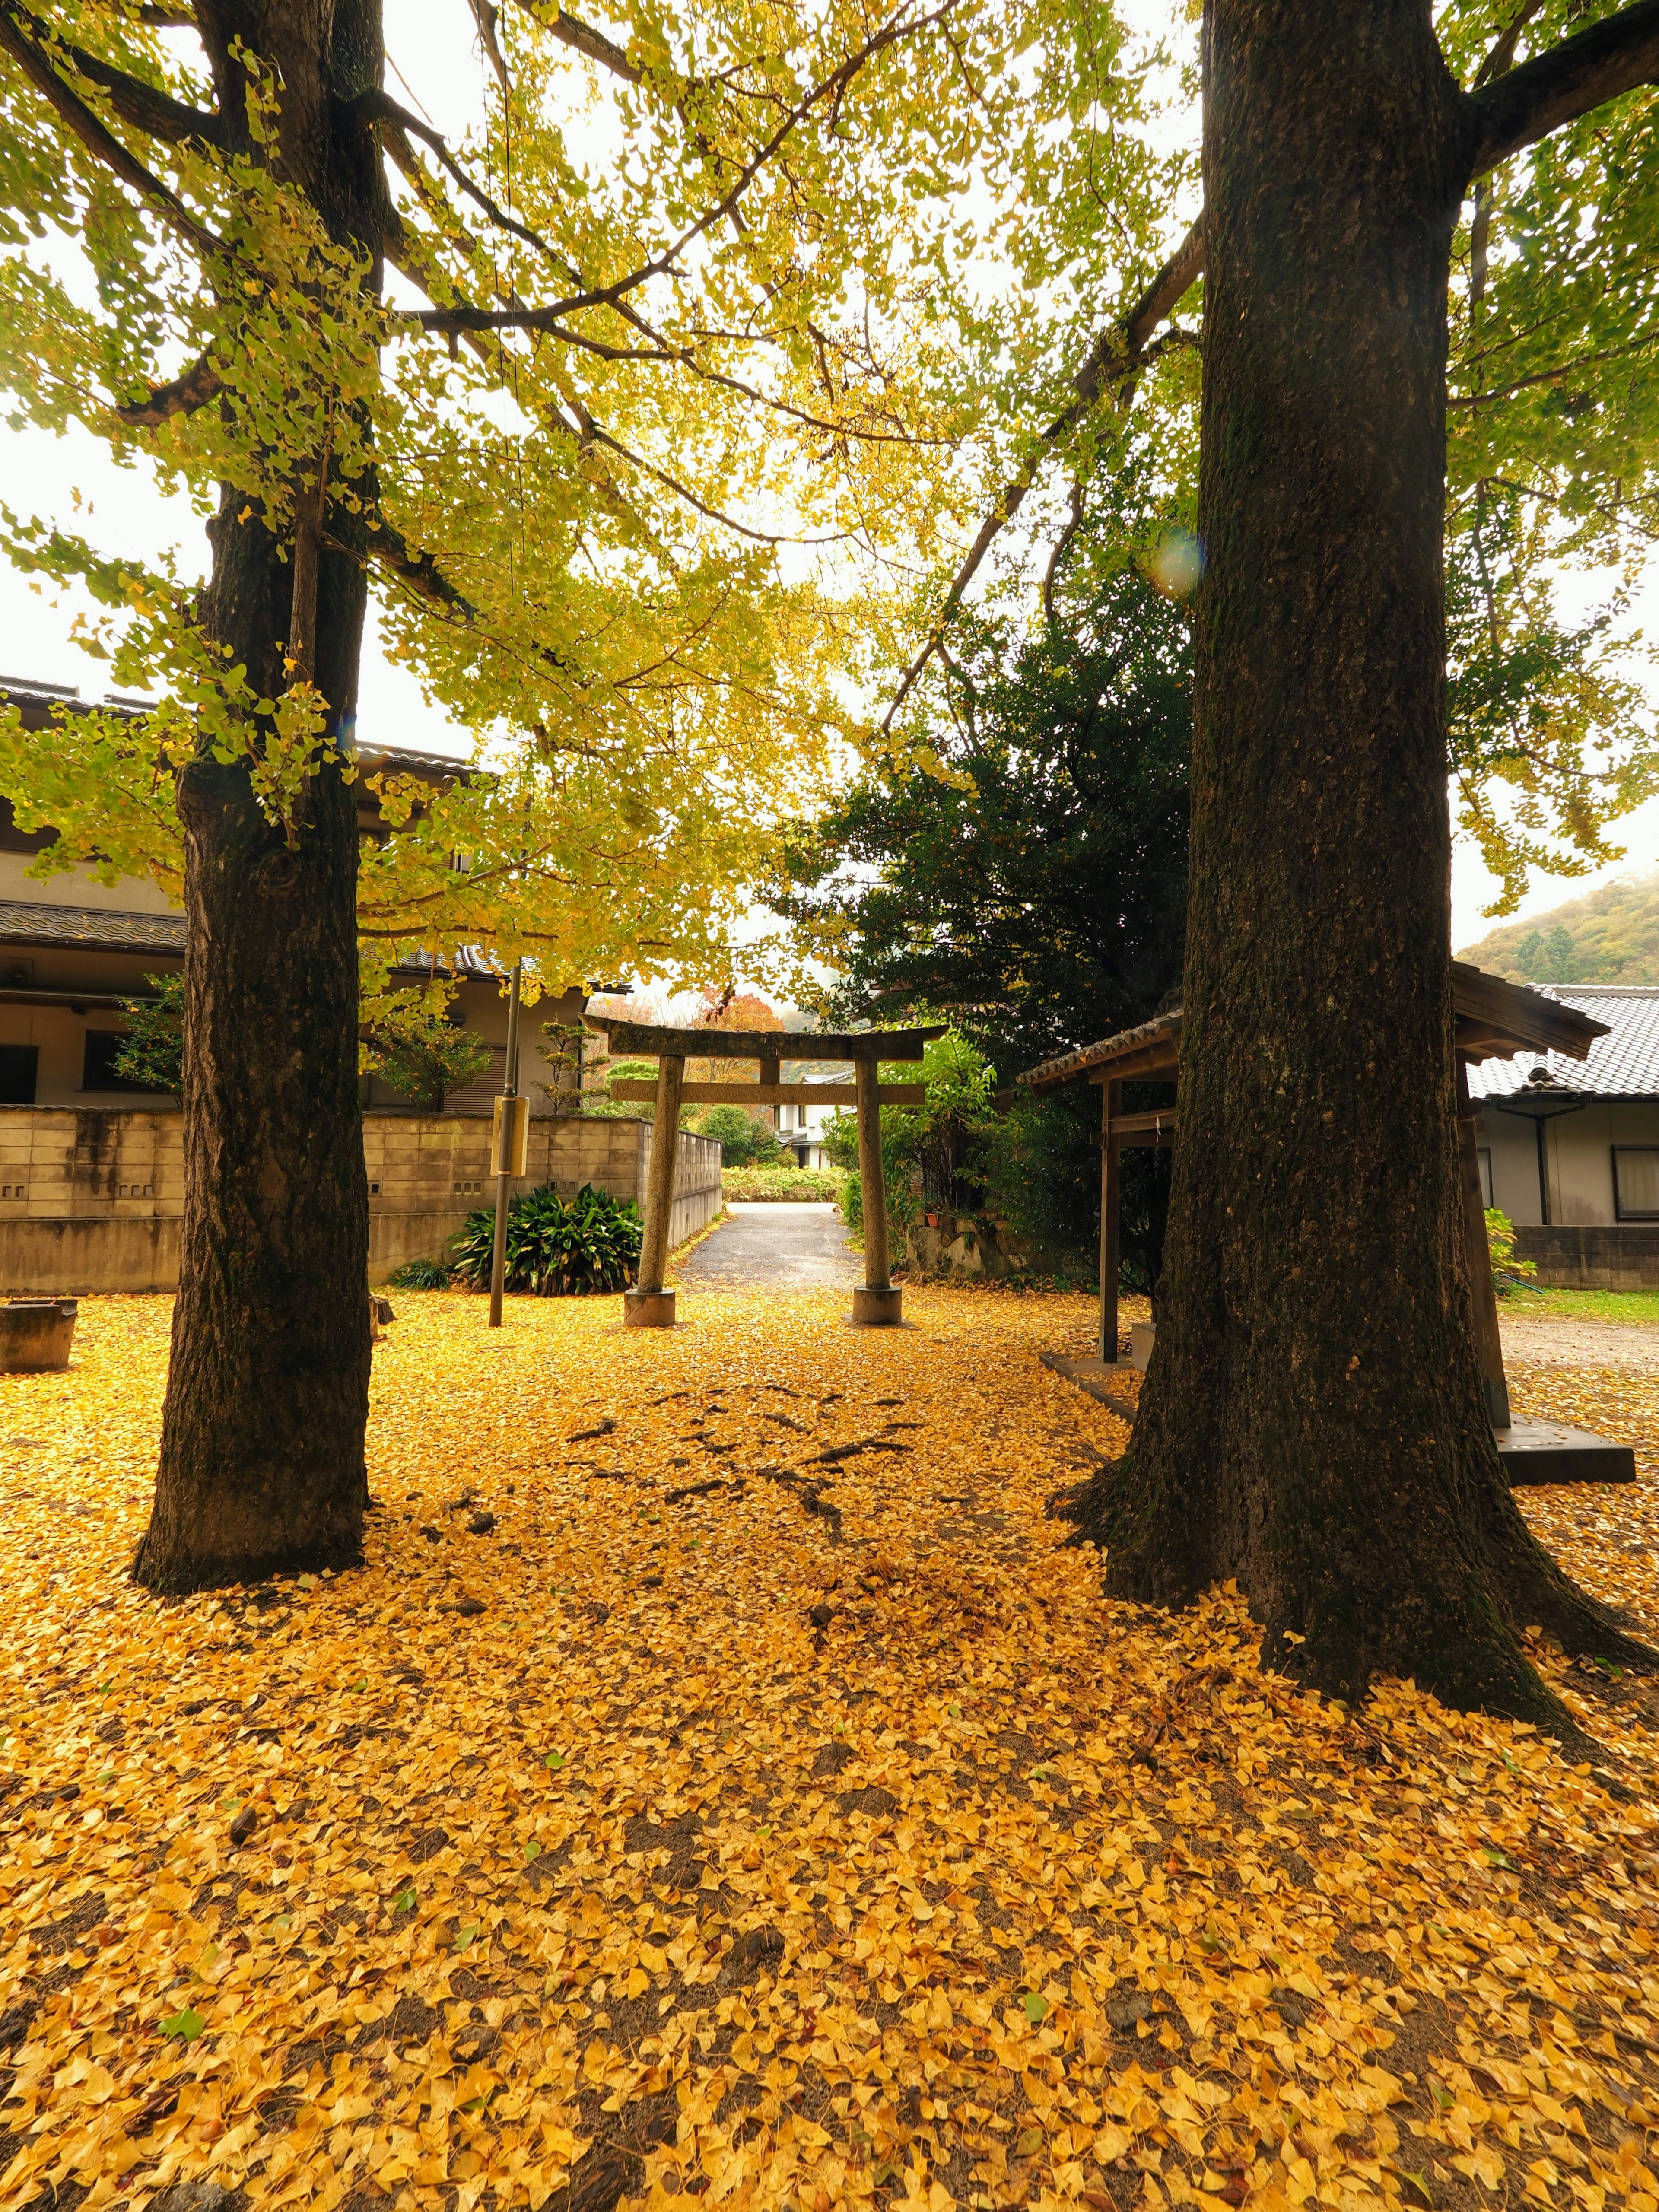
(1635, 1183)
(98, 1068)
(18, 1064)
(1482, 1153)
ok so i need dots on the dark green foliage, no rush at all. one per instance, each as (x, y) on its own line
(153, 1053)
(1042, 1169)
(746, 1141)
(555, 1248)
(1044, 906)
(1038, 911)
(415, 1043)
(419, 1275)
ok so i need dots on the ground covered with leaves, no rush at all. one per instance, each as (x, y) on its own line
(725, 1780)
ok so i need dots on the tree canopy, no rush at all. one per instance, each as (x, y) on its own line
(1037, 895)
(617, 401)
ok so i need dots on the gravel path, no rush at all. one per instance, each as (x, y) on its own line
(1570, 1340)
(784, 1248)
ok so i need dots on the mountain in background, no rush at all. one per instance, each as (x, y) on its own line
(1611, 935)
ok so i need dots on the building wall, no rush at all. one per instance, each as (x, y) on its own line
(90, 1198)
(1578, 1154)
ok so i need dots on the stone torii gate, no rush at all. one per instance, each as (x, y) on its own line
(878, 1303)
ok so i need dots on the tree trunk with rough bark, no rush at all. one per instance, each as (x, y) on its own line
(262, 1459)
(1313, 1422)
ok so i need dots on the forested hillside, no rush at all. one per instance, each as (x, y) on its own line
(1611, 935)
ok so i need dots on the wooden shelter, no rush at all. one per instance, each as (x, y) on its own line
(878, 1302)
(1495, 1020)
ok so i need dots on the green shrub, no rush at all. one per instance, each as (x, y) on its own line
(415, 1042)
(419, 1275)
(791, 1186)
(746, 1141)
(152, 1055)
(554, 1249)
(1509, 1275)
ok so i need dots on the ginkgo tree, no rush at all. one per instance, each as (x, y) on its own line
(1419, 385)
(560, 394)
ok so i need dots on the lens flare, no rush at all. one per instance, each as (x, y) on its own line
(1177, 564)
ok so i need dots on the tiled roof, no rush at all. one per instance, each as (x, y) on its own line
(22, 923)
(1624, 1064)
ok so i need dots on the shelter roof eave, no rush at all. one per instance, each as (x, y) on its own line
(1496, 1019)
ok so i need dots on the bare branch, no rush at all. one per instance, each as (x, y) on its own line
(1581, 73)
(487, 18)
(1120, 351)
(1056, 559)
(1552, 375)
(99, 142)
(200, 383)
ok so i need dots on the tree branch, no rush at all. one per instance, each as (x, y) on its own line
(379, 107)
(487, 18)
(1116, 354)
(1581, 73)
(200, 383)
(389, 549)
(99, 142)
(149, 109)
(611, 295)
(571, 32)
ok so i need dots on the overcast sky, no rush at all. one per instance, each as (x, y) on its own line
(121, 511)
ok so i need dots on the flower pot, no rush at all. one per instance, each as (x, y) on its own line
(932, 1220)
(35, 1334)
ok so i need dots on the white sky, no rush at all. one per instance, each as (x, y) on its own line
(122, 510)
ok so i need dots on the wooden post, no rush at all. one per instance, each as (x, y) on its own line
(878, 1303)
(650, 1306)
(504, 1164)
(1488, 1342)
(1111, 1096)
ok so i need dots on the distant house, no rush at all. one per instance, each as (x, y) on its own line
(71, 948)
(801, 1127)
(1569, 1148)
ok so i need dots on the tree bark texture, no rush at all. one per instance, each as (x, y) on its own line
(1313, 1421)
(262, 1461)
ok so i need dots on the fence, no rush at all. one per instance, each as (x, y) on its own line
(90, 1198)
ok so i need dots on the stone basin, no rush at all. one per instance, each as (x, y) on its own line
(35, 1334)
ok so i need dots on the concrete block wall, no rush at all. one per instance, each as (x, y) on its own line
(1620, 1256)
(697, 1197)
(90, 1198)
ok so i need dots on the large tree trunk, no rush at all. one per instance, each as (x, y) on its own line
(1313, 1422)
(262, 1445)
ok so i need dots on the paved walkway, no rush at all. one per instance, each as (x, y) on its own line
(1575, 1340)
(785, 1247)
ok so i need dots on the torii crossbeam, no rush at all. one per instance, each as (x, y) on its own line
(878, 1302)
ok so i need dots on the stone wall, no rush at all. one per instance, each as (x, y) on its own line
(90, 1198)
(1623, 1256)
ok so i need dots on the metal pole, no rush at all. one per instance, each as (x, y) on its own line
(509, 1090)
